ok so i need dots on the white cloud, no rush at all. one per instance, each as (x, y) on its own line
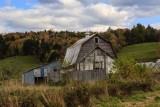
(139, 8)
(141, 3)
(63, 15)
(156, 25)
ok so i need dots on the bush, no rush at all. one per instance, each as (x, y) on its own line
(126, 88)
(77, 95)
(129, 77)
(99, 89)
(128, 69)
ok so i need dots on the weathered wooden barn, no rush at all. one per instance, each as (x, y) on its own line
(90, 58)
(42, 74)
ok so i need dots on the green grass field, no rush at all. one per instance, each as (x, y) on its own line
(23, 62)
(141, 52)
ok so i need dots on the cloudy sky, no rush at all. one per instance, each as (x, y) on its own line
(77, 15)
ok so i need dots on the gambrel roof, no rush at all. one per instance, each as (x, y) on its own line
(73, 51)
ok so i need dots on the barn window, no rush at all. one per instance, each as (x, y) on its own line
(98, 65)
(96, 40)
(54, 69)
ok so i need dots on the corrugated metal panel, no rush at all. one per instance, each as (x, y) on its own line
(29, 77)
(37, 73)
(45, 72)
(41, 71)
(73, 51)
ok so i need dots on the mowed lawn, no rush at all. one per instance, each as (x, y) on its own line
(23, 63)
(141, 52)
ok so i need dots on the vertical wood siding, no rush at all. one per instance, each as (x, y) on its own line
(86, 76)
(29, 77)
(90, 45)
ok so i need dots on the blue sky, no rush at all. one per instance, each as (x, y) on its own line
(76, 15)
(146, 21)
(23, 4)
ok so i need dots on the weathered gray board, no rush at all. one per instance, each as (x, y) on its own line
(87, 76)
(29, 76)
(54, 76)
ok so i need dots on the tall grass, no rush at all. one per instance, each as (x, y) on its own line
(73, 94)
(78, 94)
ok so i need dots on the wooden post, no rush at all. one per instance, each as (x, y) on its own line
(94, 67)
(79, 66)
(78, 71)
(105, 62)
(94, 62)
(84, 64)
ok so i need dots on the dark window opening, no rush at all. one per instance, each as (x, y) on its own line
(54, 70)
(39, 80)
(98, 65)
(96, 40)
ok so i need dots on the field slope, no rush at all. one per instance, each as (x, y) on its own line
(141, 52)
(23, 62)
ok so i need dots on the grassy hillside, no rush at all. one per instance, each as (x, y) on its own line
(141, 52)
(24, 63)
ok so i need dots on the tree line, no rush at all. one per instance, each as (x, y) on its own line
(51, 45)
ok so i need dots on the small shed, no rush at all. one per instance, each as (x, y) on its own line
(42, 73)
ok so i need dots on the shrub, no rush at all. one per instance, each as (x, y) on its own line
(129, 77)
(128, 69)
(77, 95)
(157, 99)
(99, 89)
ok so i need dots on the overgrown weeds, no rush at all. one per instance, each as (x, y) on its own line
(128, 79)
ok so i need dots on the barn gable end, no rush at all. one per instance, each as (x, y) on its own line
(89, 45)
(82, 47)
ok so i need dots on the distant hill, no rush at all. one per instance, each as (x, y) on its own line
(24, 63)
(141, 52)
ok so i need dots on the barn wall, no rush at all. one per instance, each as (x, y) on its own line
(53, 66)
(54, 76)
(86, 76)
(88, 62)
(42, 71)
(90, 45)
(99, 57)
(29, 77)
(53, 71)
(109, 64)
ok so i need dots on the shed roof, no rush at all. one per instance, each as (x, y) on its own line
(73, 51)
(53, 64)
